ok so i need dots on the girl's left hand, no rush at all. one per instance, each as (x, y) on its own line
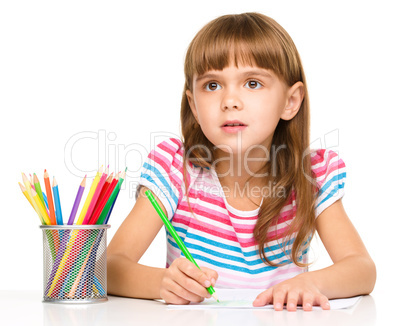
(298, 290)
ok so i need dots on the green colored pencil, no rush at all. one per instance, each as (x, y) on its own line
(176, 237)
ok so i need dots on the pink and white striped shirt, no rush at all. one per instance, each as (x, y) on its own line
(220, 236)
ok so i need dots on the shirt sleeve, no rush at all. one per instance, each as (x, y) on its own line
(162, 173)
(330, 174)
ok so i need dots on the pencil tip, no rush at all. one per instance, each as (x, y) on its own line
(215, 297)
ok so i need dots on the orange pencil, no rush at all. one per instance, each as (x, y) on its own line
(50, 199)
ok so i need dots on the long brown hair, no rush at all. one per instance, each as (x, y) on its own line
(255, 39)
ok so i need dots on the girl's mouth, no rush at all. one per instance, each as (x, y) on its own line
(233, 126)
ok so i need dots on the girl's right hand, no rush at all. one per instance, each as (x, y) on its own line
(183, 282)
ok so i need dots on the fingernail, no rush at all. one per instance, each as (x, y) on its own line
(278, 306)
(213, 281)
(291, 306)
(308, 306)
(207, 284)
(326, 305)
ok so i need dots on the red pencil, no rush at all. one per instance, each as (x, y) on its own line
(103, 191)
(102, 204)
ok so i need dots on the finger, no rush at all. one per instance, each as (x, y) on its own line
(263, 298)
(185, 291)
(195, 273)
(211, 274)
(192, 286)
(172, 298)
(308, 300)
(323, 301)
(279, 299)
(292, 299)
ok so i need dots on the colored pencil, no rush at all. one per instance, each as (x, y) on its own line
(41, 207)
(38, 188)
(77, 201)
(61, 259)
(104, 189)
(89, 198)
(28, 188)
(46, 203)
(52, 214)
(111, 209)
(175, 236)
(59, 215)
(110, 201)
(81, 267)
(25, 192)
(95, 196)
(102, 204)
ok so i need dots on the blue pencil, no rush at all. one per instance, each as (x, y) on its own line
(111, 208)
(45, 199)
(59, 215)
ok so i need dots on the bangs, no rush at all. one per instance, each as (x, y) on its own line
(247, 39)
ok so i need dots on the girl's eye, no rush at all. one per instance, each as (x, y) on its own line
(253, 84)
(212, 86)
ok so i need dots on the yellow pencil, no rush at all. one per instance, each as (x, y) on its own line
(41, 207)
(28, 188)
(89, 197)
(25, 192)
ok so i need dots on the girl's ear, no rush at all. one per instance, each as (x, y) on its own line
(295, 96)
(190, 99)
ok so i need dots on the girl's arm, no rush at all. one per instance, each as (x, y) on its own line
(353, 272)
(125, 277)
(180, 283)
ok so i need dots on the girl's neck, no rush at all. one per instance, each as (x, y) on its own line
(241, 169)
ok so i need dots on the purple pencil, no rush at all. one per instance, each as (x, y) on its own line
(77, 201)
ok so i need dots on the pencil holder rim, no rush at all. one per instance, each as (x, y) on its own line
(74, 227)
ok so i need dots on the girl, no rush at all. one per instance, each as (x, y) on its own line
(242, 188)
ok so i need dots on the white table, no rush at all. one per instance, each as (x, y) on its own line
(27, 308)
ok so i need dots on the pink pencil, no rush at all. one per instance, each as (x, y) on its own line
(95, 196)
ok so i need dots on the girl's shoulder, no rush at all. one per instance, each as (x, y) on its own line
(325, 162)
(169, 147)
(329, 175)
(162, 173)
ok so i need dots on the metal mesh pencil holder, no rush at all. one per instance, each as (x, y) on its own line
(74, 263)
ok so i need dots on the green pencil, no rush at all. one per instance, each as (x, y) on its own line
(176, 237)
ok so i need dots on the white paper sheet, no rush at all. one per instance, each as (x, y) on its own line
(243, 299)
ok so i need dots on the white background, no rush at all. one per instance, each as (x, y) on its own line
(84, 84)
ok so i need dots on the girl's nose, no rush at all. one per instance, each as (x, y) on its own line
(231, 100)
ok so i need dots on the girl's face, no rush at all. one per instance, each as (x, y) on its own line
(238, 108)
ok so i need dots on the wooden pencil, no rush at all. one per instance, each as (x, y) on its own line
(28, 188)
(59, 215)
(77, 201)
(52, 213)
